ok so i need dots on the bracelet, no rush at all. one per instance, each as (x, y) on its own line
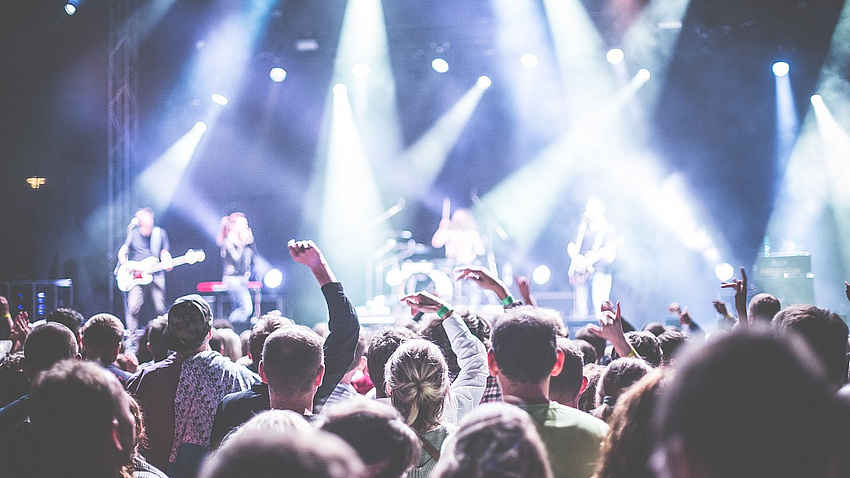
(633, 353)
(507, 301)
(7, 316)
(443, 312)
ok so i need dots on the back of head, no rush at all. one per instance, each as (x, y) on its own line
(267, 324)
(155, 329)
(672, 342)
(749, 404)
(824, 331)
(565, 387)
(496, 440)
(387, 446)
(596, 341)
(70, 318)
(48, 344)
(102, 336)
(270, 420)
(647, 346)
(418, 380)
(524, 345)
(617, 377)
(189, 323)
(655, 328)
(276, 453)
(383, 344)
(587, 350)
(292, 358)
(763, 307)
(230, 343)
(587, 399)
(435, 332)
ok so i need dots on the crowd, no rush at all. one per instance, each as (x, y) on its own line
(457, 394)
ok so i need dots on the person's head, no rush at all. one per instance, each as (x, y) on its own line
(647, 346)
(81, 420)
(293, 361)
(463, 219)
(231, 346)
(145, 216)
(383, 344)
(154, 343)
(189, 324)
(48, 344)
(279, 453)
(588, 351)
(270, 420)
(496, 440)
(750, 403)
(762, 308)
(655, 328)
(524, 347)
(671, 342)
(387, 446)
(617, 377)
(266, 324)
(102, 338)
(70, 318)
(417, 380)
(824, 331)
(596, 341)
(587, 398)
(435, 332)
(565, 387)
(628, 446)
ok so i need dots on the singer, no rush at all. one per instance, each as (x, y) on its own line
(145, 240)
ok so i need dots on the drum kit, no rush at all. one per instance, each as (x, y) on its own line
(403, 266)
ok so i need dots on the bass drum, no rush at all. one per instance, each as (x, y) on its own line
(424, 275)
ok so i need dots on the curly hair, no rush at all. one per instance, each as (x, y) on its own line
(418, 379)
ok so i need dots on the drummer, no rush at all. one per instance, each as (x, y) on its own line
(459, 235)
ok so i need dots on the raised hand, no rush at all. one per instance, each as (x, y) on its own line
(610, 328)
(524, 286)
(308, 254)
(425, 302)
(720, 307)
(484, 279)
(740, 286)
(20, 330)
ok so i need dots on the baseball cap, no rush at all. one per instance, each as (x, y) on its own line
(189, 321)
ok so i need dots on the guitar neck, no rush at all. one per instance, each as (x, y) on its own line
(176, 261)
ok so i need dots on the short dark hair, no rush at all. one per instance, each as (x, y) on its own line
(378, 433)
(435, 332)
(753, 403)
(567, 384)
(671, 342)
(824, 331)
(596, 341)
(656, 328)
(763, 307)
(292, 357)
(102, 332)
(382, 346)
(265, 325)
(155, 328)
(588, 350)
(647, 346)
(70, 318)
(48, 344)
(524, 345)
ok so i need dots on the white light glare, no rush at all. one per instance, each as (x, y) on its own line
(70, 8)
(277, 74)
(724, 271)
(780, 69)
(219, 99)
(273, 278)
(201, 127)
(340, 89)
(484, 82)
(615, 56)
(643, 75)
(440, 65)
(361, 70)
(541, 274)
(817, 100)
(395, 277)
(529, 60)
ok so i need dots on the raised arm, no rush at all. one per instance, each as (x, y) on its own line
(487, 281)
(610, 328)
(740, 286)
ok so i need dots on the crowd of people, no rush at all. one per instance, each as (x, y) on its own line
(456, 394)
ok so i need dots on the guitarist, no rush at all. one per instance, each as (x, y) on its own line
(590, 258)
(144, 240)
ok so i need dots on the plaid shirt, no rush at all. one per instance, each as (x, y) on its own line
(492, 392)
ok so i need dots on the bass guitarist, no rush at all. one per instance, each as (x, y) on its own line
(590, 258)
(144, 240)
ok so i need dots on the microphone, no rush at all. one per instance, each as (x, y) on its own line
(134, 223)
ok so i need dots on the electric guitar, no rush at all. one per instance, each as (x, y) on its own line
(583, 265)
(133, 273)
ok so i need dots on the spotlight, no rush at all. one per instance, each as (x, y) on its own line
(201, 126)
(277, 74)
(273, 278)
(780, 69)
(529, 60)
(615, 56)
(643, 75)
(484, 82)
(36, 182)
(361, 70)
(817, 100)
(724, 271)
(395, 277)
(219, 99)
(440, 65)
(541, 274)
(70, 8)
(340, 89)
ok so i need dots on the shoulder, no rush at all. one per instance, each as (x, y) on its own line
(555, 415)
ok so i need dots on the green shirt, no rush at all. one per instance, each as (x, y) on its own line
(573, 438)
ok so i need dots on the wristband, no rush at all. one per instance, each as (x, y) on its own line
(7, 316)
(507, 301)
(633, 353)
(443, 312)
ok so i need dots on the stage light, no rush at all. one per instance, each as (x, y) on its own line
(529, 60)
(484, 82)
(541, 274)
(644, 75)
(780, 68)
(273, 279)
(219, 99)
(277, 74)
(70, 8)
(361, 70)
(340, 89)
(200, 127)
(724, 271)
(36, 182)
(395, 277)
(615, 56)
(440, 65)
(817, 100)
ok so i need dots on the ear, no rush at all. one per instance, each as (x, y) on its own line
(116, 436)
(320, 376)
(362, 364)
(261, 369)
(559, 363)
(583, 385)
(491, 363)
(387, 389)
